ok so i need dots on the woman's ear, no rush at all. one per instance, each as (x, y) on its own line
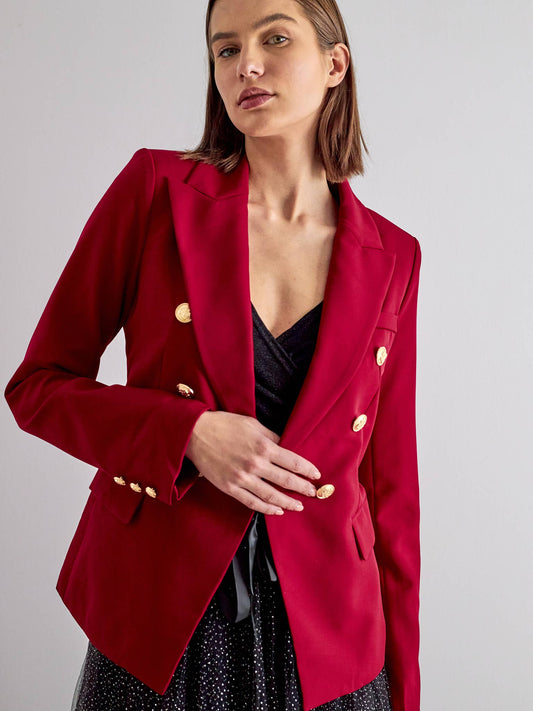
(339, 61)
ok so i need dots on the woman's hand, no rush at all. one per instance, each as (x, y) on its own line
(239, 456)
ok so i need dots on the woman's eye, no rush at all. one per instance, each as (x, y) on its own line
(227, 49)
(278, 37)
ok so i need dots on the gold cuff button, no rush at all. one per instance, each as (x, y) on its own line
(381, 354)
(135, 487)
(119, 480)
(359, 423)
(183, 312)
(184, 390)
(151, 492)
(325, 491)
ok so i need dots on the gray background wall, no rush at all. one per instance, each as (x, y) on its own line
(445, 98)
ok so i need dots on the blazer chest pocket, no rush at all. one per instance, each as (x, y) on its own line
(120, 500)
(363, 527)
(388, 320)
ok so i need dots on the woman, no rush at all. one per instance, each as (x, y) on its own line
(270, 326)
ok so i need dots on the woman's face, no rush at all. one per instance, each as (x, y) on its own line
(281, 56)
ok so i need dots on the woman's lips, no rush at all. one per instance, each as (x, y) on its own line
(253, 101)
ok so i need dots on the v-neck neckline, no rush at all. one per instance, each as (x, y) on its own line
(291, 328)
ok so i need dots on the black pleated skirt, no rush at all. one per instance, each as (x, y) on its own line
(250, 664)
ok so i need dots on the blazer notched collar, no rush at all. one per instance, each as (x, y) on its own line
(210, 215)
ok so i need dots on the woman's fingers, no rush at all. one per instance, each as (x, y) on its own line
(286, 480)
(252, 501)
(258, 479)
(273, 496)
(294, 463)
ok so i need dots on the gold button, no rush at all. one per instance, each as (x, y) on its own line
(119, 480)
(200, 474)
(135, 487)
(381, 355)
(151, 492)
(185, 390)
(183, 312)
(325, 491)
(359, 423)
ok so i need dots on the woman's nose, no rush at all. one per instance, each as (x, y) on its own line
(249, 63)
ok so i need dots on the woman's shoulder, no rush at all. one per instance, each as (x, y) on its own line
(403, 244)
(398, 240)
(180, 167)
(392, 235)
(168, 159)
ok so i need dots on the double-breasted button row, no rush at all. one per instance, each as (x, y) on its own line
(360, 421)
(136, 486)
(183, 314)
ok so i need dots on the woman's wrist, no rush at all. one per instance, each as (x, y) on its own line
(195, 437)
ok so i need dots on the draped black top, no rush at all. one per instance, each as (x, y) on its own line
(281, 364)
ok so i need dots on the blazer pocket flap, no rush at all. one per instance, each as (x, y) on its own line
(364, 529)
(388, 320)
(119, 499)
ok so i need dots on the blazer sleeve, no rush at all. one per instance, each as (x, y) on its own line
(389, 472)
(138, 433)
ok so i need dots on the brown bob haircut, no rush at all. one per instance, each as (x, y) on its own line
(340, 141)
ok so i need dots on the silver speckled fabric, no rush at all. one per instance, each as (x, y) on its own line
(248, 664)
(226, 666)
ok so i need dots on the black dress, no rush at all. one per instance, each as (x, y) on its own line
(240, 657)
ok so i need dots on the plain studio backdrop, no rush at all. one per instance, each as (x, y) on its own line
(445, 100)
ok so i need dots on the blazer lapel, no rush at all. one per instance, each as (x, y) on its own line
(210, 215)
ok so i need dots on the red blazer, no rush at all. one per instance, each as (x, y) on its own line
(145, 561)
